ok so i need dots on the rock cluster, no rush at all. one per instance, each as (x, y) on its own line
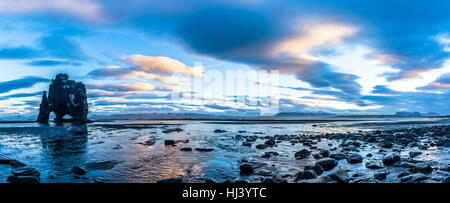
(65, 97)
(21, 173)
(384, 163)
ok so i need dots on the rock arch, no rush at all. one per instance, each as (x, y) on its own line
(65, 97)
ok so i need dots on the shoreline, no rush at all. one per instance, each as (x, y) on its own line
(385, 156)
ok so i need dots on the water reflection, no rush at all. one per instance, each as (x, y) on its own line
(64, 146)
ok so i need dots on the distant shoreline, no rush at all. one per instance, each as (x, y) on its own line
(280, 120)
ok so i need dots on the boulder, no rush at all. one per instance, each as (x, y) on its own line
(324, 153)
(246, 169)
(307, 174)
(391, 158)
(341, 176)
(186, 149)
(446, 180)
(327, 163)
(413, 178)
(23, 179)
(219, 131)
(413, 154)
(261, 146)
(316, 168)
(270, 142)
(78, 170)
(204, 149)
(354, 158)
(338, 156)
(445, 168)
(373, 165)
(302, 154)
(421, 168)
(317, 156)
(25, 171)
(169, 142)
(381, 175)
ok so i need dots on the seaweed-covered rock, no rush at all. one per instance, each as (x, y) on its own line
(65, 97)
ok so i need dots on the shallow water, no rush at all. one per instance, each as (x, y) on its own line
(115, 151)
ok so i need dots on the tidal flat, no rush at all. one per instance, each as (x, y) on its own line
(386, 150)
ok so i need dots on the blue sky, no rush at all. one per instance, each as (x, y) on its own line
(349, 57)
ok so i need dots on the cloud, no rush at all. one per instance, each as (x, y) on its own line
(20, 95)
(127, 103)
(299, 47)
(219, 107)
(53, 63)
(161, 65)
(402, 35)
(19, 52)
(441, 83)
(412, 101)
(59, 44)
(131, 73)
(99, 94)
(131, 87)
(410, 36)
(147, 96)
(382, 89)
(62, 45)
(87, 10)
(21, 83)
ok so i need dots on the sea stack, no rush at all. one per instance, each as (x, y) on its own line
(65, 97)
(44, 109)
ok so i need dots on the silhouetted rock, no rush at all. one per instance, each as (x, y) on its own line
(65, 97)
(44, 109)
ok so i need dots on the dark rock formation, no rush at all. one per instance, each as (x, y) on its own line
(65, 97)
(44, 109)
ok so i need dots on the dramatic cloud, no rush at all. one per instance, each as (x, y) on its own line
(410, 39)
(131, 73)
(131, 87)
(161, 65)
(21, 83)
(382, 89)
(442, 83)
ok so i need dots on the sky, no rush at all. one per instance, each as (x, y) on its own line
(233, 57)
